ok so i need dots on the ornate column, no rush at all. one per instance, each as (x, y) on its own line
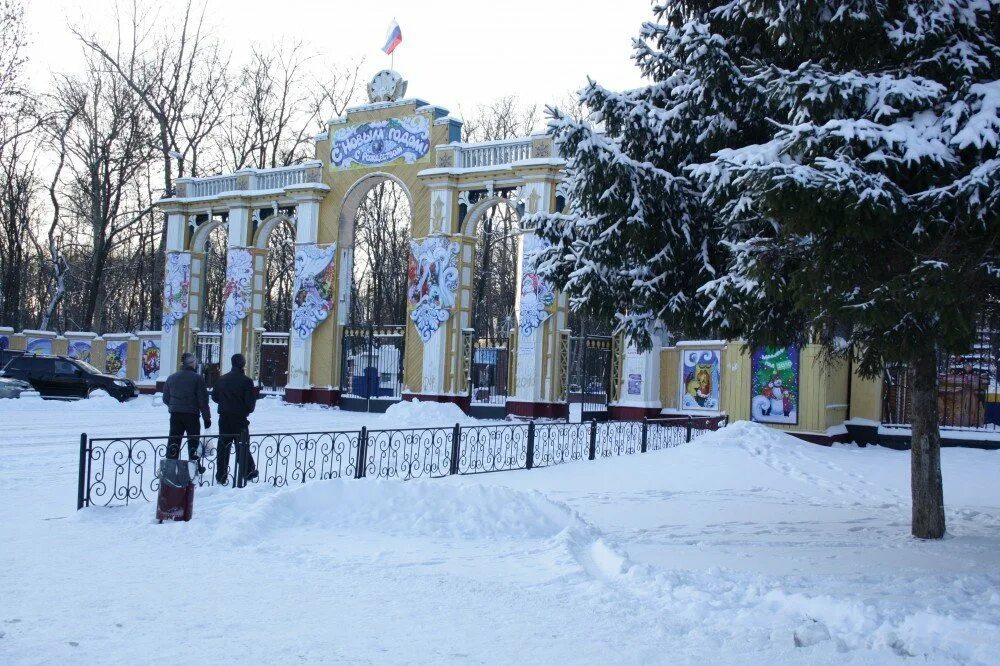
(639, 384)
(314, 299)
(541, 314)
(438, 305)
(176, 294)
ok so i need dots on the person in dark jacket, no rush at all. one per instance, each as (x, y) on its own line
(186, 396)
(235, 394)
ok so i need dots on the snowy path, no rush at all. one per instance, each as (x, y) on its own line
(714, 552)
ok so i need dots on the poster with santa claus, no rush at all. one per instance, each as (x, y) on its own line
(774, 384)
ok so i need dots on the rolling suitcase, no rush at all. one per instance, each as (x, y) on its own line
(176, 498)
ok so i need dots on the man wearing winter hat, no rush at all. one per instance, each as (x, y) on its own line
(186, 395)
(236, 397)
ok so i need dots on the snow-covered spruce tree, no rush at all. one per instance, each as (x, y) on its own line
(839, 159)
(636, 240)
(873, 212)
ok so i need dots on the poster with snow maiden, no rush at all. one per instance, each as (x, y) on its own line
(149, 363)
(700, 379)
(80, 350)
(4, 342)
(117, 358)
(775, 384)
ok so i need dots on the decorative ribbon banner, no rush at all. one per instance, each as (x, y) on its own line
(239, 286)
(176, 288)
(536, 293)
(315, 274)
(433, 280)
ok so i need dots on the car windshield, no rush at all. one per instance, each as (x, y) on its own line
(88, 367)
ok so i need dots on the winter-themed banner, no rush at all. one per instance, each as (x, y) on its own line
(380, 142)
(537, 294)
(176, 288)
(39, 346)
(4, 342)
(116, 358)
(315, 274)
(80, 350)
(432, 282)
(775, 385)
(238, 289)
(700, 379)
(149, 361)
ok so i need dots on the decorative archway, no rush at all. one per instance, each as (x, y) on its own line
(374, 227)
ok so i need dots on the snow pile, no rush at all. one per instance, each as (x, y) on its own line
(412, 509)
(421, 414)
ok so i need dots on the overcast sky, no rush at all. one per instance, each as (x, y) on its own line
(455, 53)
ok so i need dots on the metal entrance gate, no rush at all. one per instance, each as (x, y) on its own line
(208, 349)
(488, 363)
(271, 356)
(371, 376)
(590, 362)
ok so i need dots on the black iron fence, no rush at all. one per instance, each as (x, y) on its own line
(118, 471)
(968, 386)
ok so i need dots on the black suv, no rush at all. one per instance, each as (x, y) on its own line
(65, 378)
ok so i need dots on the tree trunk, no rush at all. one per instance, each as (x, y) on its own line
(925, 461)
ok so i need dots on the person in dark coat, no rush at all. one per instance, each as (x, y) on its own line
(235, 394)
(186, 396)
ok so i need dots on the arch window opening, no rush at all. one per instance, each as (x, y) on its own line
(208, 343)
(494, 297)
(381, 253)
(214, 279)
(378, 229)
(279, 277)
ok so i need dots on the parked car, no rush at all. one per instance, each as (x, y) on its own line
(66, 378)
(6, 355)
(13, 388)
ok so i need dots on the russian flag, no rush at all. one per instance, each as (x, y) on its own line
(393, 39)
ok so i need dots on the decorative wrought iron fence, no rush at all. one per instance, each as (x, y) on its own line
(968, 387)
(119, 471)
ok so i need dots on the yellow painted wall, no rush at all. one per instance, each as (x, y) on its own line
(866, 398)
(670, 358)
(132, 367)
(99, 353)
(326, 339)
(60, 346)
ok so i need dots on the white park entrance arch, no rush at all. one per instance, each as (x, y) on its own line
(449, 186)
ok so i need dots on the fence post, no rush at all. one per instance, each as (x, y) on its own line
(456, 443)
(530, 460)
(242, 453)
(645, 434)
(359, 472)
(81, 488)
(688, 439)
(592, 452)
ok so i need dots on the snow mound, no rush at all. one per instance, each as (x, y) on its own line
(410, 509)
(421, 413)
(749, 435)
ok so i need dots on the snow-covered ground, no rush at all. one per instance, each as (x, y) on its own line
(730, 549)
